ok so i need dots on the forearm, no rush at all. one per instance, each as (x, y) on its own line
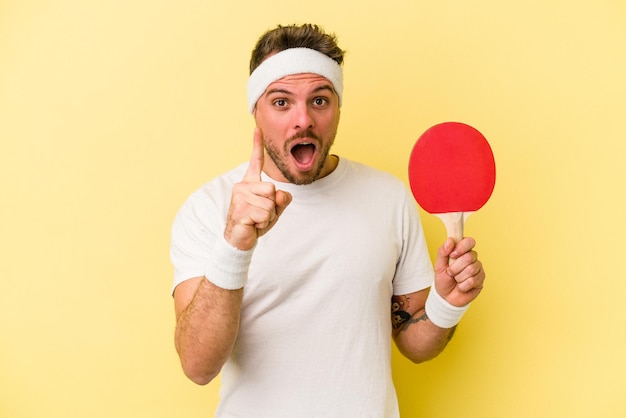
(420, 340)
(426, 321)
(206, 330)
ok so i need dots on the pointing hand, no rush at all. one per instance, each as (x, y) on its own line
(255, 205)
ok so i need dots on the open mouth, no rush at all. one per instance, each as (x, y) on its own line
(304, 153)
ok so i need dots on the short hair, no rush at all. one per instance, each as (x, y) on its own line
(295, 36)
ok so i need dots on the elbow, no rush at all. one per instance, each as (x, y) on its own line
(419, 354)
(200, 369)
(200, 374)
(200, 377)
(420, 357)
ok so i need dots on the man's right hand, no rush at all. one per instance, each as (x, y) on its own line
(255, 206)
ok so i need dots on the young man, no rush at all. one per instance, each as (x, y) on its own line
(293, 271)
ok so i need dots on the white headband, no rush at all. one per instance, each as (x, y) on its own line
(293, 61)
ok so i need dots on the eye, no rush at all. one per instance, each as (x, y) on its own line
(280, 102)
(320, 101)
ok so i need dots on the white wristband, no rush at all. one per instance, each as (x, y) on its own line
(228, 266)
(441, 312)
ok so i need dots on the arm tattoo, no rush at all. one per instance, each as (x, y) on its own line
(424, 317)
(400, 316)
(399, 311)
(414, 320)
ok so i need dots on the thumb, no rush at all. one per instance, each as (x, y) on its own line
(443, 255)
(283, 199)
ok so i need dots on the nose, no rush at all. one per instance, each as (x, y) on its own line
(302, 118)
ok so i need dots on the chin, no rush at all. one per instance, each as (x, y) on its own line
(301, 178)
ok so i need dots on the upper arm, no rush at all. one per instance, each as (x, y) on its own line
(404, 309)
(415, 335)
(184, 293)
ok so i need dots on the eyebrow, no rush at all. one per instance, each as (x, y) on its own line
(289, 93)
(281, 91)
(325, 87)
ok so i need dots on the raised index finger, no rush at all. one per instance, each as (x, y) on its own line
(256, 160)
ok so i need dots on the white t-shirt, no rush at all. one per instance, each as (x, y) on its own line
(315, 334)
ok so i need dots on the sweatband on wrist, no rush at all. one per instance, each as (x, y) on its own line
(228, 266)
(441, 312)
(293, 61)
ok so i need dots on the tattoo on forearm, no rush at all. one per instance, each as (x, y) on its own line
(399, 311)
(414, 320)
(400, 316)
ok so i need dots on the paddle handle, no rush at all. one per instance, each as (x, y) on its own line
(454, 223)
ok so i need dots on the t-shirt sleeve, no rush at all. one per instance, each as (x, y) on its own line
(414, 270)
(194, 231)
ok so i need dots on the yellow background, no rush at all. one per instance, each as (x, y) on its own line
(113, 112)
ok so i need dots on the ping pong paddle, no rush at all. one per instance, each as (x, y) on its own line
(452, 173)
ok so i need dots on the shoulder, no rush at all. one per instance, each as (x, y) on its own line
(374, 178)
(217, 187)
(213, 196)
(223, 182)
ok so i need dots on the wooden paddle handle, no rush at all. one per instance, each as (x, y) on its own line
(454, 222)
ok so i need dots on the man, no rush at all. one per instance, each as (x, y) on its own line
(287, 268)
